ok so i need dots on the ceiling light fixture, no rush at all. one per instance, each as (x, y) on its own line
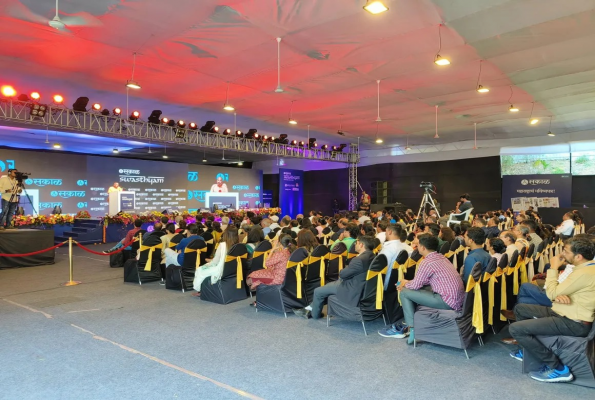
(475, 136)
(478, 87)
(512, 108)
(57, 146)
(378, 102)
(227, 106)
(115, 151)
(436, 135)
(279, 88)
(549, 132)
(165, 152)
(378, 139)
(438, 59)
(204, 156)
(375, 7)
(407, 148)
(533, 121)
(116, 112)
(291, 120)
(132, 84)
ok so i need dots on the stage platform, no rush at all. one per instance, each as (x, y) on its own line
(20, 241)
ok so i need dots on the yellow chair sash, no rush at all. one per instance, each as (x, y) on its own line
(377, 249)
(264, 254)
(298, 275)
(351, 255)
(240, 271)
(332, 256)
(210, 241)
(197, 251)
(171, 244)
(477, 319)
(503, 300)
(150, 256)
(312, 260)
(379, 285)
(493, 278)
(401, 269)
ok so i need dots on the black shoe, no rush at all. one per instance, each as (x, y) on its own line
(302, 312)
(106, 252)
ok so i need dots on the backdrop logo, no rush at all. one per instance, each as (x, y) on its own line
(9, 164)
(225, 177)
(535, 182)
(43, 206)
(241, 187)
(44, 182)
(67, 194)
(251, 194)
(256, 187)
(192, 176)
(81, 182)
(81, 204)
(198, 195)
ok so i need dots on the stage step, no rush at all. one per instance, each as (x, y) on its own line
(84, 231)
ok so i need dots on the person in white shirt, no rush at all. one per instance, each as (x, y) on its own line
(381, 230)
(509, 240)
(363, 217)
(391, 248)
(219, 187)
(275, 219)
(567, 226)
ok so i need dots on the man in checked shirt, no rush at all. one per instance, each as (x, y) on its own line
(437, 284)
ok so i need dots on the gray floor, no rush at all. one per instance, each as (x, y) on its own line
(107, 340)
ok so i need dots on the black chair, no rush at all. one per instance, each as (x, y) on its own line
(453, 251)
(173, 242)
(529, 270)
(182, 277)
(232, 285)
(261, 252)
(351, 253)
(291, 293)
(147, 269)
(315, 273)
(488, 289)
(412, 264)
(327, 233)
(128, 254)
(508, 296)
(539, 258)
(336, 262)
(392, 307)
(448, 327)
(445, 247)
(208, 238)
(370, 304)
(410, 237)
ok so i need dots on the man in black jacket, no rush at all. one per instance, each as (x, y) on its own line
(349, 287)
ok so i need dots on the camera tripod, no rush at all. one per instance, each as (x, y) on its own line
(426, 201)
(15, 195)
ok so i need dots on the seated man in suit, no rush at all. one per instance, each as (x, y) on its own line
(571, 314)
(349, 287)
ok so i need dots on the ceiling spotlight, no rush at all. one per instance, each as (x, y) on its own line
(96, 107)
(115, 151)
(164, 156)
(379, 140)
(439, 60)
(324, 147)
(23, 97)
(155, 116)
(550, 133)
(375, 7)
(8, 91)
(181, 124)
(105, 112)
(241, 163)
(116, 112)
(312, 143)
(294, 142)
(57, 146)
(340, 148)
(239, 134)
(251, 134)
(132, 84)
(134, 116)
(37, 110)
(534, 121)
(302, 144)
(80, 104)
(227, 131)
(193, 126)
(227, 106)
(482, 89)
(292, 121)
(35, 96)
(164, 120)
(513, 108)
(58, 99)
(204, 160)
(407, 148)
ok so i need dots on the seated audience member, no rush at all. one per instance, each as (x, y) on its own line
(294, 225)
(170, 230)
(463, 226)
(443, 220)
(176, 256)
(363, 217)
(348, 236)
(447, 235)
(571, 314)
(276, 264)
(368, 229)
(566, 228)
(214, 268)
(532, 226)
(430, 220)
(255, 236)
(436, 284)
(321, 226)
(392, 246)
(434, 230)
(492, 227)
(181, 227)
(496, 248)
(266, 225)
(274, 222)
(307, 240)
(381, 230)
(463, 205)
(128, 238)
(225, 221)
(509, 240)
(157, 227)
(522, 236)
(341, 224)
(475, 239)
(351, 281)
(164, 221)
(177, 220)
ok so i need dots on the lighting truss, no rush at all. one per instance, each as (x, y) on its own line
(60, 117)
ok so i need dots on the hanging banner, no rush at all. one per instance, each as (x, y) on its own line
(291, 191)
(538, 191)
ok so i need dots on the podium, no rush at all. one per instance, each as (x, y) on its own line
(121, 201)
(223, 200)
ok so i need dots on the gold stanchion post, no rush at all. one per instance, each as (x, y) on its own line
(71, 282)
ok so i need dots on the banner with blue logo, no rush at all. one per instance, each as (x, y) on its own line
(291, 191)
(547, 191)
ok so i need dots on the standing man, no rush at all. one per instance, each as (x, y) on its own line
(115, 188)
(571, 314)
(219, 187)
(8, 186)
(365, 197)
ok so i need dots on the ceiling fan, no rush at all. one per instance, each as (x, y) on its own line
(82, 19)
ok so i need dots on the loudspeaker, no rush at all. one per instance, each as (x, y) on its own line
(381, 192)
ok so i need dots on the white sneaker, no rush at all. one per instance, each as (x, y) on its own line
(309, 308)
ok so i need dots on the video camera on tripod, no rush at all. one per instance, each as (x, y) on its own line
(428, 186)
(21, 176)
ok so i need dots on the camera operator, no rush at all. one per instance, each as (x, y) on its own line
(9, 185)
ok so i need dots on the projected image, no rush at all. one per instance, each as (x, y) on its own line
(531, 164)
(583, 163)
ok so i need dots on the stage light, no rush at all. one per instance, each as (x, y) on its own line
(181, 124)
(23, 97)
(264, 138)
(375, 7)
(96, 107)
(239, 134)
(171, 123)
(282, 139)
(164, 120)
(251, 134)
(227, 131)
(294, 142)
(271, 139)
(155, 116)
(193, 126)
(105, 112)
(57, 146)
(302, 144)
(324, 147)
(482, 89)
(37, 110)
(134, 116)
(340, 148)
(132, 84)
(35, 96)
(115, 151)
(312, 143)
(116, 112)
(8, 91)
(228, 107)
(513, 108)
(58, 99)
(180, 133)
(407, 148)
(209, 126)
(80, 104)
(534, 121)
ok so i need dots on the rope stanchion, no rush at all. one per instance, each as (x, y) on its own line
(71, 282)
(34, 252)
(121, 249)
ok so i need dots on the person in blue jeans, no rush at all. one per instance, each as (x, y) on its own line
(8, 186)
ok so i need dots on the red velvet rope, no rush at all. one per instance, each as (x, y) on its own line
(102, 253)
(35, 252)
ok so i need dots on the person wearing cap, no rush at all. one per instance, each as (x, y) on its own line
(8, 185)
(275, 220)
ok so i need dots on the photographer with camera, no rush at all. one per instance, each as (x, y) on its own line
(10, 188)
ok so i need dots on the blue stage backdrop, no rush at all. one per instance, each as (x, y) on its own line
(543, 191)
(291, 191)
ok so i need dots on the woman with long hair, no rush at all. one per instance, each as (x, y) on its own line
(214, 268)
(447, 234)
(307, 240)
(255, 236)
(276, 264)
